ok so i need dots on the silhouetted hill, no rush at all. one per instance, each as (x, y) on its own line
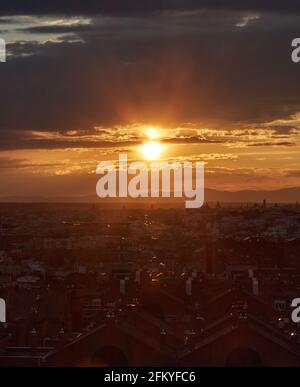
(287, 195)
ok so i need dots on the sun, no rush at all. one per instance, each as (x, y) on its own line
(152, 133)
(151, 150)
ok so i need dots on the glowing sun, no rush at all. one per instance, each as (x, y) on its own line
(152, 133)
(151, 150)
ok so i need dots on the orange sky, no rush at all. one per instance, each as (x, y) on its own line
(213, 85)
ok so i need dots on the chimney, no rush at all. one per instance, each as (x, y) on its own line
(33, 338)
(21, 333)
(188, 286)
(123, 286)
(255, 286)
(138, 277)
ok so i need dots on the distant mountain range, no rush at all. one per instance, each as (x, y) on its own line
(286, 195)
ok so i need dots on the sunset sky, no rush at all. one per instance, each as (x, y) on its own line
(85, 82)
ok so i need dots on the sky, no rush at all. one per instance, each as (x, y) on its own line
(209, 81)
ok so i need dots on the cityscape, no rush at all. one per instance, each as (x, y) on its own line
(149, 285)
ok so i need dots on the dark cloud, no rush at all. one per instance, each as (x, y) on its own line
(281, 130)
(193, 140)
(187, 67)
(185, 78)
(18, 140)
(293, 173)
(59, 29)
(282, 143)
(12, 163)
(14, 7)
